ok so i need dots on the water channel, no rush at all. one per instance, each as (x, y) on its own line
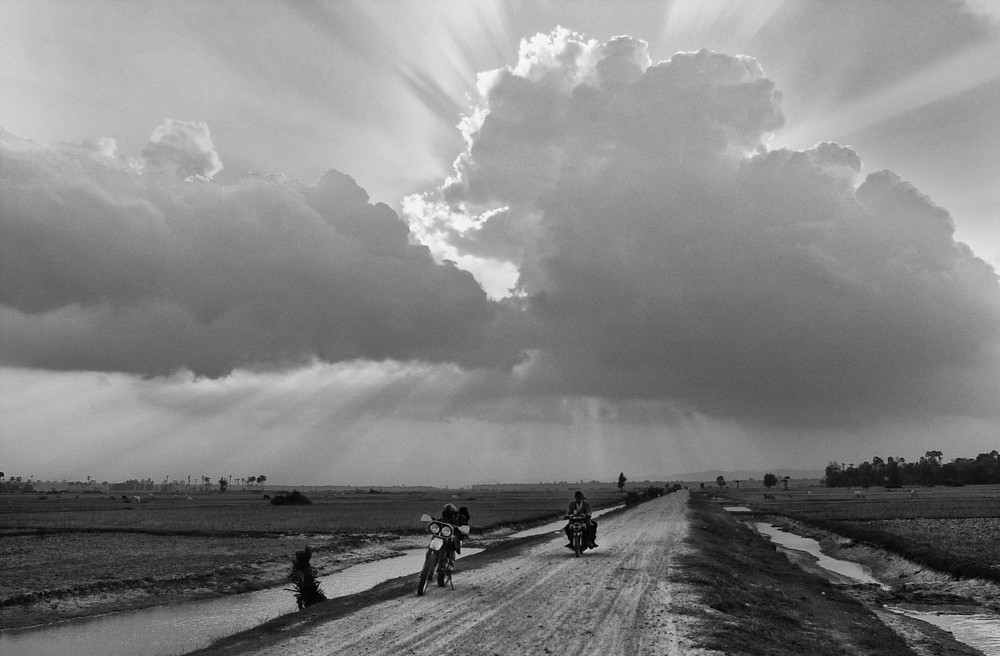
(181, 628)
(981, 631)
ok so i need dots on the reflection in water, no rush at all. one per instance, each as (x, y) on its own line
(981, 631)
(181, 628)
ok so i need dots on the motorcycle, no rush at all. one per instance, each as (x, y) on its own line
(440, 552)
(578, 532)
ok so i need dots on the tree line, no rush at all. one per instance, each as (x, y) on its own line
(19, 484)
(930, 469)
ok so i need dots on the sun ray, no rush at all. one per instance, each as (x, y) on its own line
(693, 24)
(946, 79)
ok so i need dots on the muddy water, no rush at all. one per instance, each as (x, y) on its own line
(181, 628)
(981, 631)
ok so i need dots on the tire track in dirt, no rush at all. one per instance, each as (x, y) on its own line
(619, 599)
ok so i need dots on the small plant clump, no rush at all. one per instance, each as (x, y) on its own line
(635, 497)
(293, 498)
(303, 577)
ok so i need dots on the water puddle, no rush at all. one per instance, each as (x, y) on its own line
(182, 628)
(558, 525)
(976, 630)
(808, 545)
(736, 509)
(981, 631)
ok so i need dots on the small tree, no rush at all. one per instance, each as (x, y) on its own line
(720, 481)
(223, 484)
(784, 481)
(770, 480)
(260, 479)
(621, 482)
(303, 577)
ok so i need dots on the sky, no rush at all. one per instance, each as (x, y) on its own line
(448, 243)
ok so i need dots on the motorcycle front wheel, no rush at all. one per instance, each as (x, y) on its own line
(577, 544)
(444, 570)
(425, 574)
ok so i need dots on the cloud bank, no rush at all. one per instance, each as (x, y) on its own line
(656, 249)
(145, 266)
(664, 252)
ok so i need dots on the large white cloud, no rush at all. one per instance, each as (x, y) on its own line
(664, 251)
(107, 264)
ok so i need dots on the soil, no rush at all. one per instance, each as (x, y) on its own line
(671, 577)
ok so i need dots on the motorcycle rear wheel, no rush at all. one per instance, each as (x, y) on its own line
(427, 572)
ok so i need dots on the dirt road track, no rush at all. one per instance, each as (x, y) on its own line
(619, 599)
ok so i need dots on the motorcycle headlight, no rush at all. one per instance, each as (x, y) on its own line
(446, 531)
(434, 528)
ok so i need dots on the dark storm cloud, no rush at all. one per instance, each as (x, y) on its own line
(665, 252)
(104, 268)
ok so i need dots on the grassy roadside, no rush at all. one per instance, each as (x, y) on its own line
(757, 603)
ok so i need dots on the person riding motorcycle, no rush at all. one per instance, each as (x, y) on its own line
(456, 517)
(582, 506)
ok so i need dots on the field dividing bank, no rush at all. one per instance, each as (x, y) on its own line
(68, 556)
(954, 530)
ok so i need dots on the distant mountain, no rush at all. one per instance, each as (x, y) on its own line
(744, 475)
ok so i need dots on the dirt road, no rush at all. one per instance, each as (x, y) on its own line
(619, 599)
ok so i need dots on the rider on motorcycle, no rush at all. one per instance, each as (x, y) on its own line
(582, 506)
(456, 517)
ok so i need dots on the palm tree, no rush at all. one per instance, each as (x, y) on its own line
(303, 578)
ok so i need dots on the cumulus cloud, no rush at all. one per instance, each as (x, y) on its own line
(182, 148)
(664, 251)
(106, 268)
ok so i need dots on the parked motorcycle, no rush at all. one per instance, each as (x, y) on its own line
(577, 532)
(440, 552)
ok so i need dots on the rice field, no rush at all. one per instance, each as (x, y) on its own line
(332, 511)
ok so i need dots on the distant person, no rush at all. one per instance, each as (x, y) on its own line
(580, 505)
(456, 517)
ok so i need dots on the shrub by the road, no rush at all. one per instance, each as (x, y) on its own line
(293, 498)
